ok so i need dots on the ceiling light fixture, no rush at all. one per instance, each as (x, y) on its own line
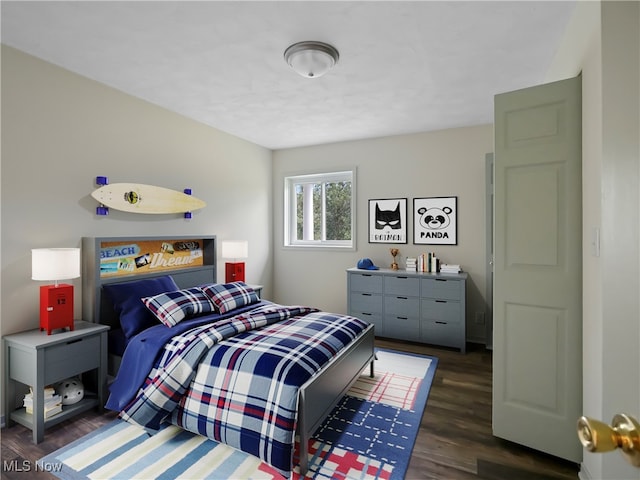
(311, 59)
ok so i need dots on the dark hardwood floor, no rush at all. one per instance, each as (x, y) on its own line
(454, 441)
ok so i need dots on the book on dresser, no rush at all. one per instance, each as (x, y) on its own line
(449, 268)
(411, 264)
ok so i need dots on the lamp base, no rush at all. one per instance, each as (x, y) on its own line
(234, 272)
(56, 307)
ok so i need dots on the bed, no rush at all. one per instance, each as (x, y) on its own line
(312, 357)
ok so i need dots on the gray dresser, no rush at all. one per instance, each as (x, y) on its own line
(420, 307)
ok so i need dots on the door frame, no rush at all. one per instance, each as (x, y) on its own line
(489, 189)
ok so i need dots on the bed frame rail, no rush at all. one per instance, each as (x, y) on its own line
(322, 393)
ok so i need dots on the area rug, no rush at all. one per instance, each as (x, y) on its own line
(369, 435)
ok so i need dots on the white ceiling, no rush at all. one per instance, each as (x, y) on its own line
(404, 67)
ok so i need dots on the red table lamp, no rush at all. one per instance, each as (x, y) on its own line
(56, 301)
(235, 249)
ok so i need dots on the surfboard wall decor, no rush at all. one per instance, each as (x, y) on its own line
(141, 198)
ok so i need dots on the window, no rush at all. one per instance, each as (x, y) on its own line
(320, 210)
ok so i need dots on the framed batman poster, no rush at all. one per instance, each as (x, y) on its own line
(388, 220)
(435, 221)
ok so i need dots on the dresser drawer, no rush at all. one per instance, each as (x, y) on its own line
(365, 282)
(442, 310)
(442, 288)
(401, 285)
(371, 317)
(365, 302)
(443, 333)
(71, 358)
(402, 305)
(405, 328)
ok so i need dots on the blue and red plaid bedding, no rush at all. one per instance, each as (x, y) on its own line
(237, 380)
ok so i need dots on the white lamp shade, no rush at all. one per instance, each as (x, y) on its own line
(55, 263)
(235, 249)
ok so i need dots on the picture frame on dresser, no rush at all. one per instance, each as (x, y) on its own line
(435, 221)
(388, 220)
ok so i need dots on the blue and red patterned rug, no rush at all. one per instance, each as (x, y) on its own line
(369, 435)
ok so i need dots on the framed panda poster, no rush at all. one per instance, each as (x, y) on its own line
(388, 220)
(435, 221)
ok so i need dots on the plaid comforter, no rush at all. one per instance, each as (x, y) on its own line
(237, 381)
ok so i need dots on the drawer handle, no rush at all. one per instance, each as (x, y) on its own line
(441, 323)
(402, 298)
(366, 294)
(441, 279)
(368, 314)
(404, 278)
(441, 301)
(74, 341)
(402, 318)
(366, 274)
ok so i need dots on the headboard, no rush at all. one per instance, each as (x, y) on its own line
(190, 260)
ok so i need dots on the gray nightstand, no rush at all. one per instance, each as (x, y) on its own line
(257, 289)
(35, 359)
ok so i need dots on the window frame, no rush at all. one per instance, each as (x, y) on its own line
(290, 209)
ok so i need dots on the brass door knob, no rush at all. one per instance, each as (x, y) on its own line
(624, 433)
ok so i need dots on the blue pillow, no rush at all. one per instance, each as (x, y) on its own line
(228, 296)
(127, 303)
(173, 307)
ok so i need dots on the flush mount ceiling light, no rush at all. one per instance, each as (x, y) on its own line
(311, 59)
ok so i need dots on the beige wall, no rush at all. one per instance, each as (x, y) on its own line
(435, 164)
(60, 130)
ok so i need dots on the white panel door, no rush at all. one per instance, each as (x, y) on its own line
(537, 345)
